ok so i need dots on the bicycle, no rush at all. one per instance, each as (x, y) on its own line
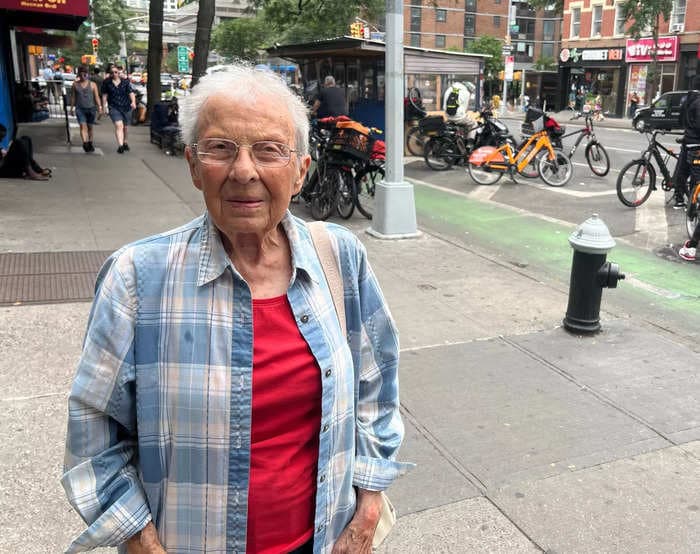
(596, 155)
(693, 211)
(488, 164)
(637, 179)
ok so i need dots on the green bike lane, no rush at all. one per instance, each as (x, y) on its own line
(665, 292)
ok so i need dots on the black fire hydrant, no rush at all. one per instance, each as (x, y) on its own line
(590, 273)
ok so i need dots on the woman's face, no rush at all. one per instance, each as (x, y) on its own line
(242, 197)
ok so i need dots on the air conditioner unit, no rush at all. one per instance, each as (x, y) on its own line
(677, 27)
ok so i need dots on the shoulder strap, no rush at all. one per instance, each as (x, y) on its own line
(329, 263)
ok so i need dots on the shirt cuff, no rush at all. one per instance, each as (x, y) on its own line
(377, 474)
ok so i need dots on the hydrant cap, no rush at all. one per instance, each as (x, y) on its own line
(592, 237)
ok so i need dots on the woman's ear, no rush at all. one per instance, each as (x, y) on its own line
(194, 167)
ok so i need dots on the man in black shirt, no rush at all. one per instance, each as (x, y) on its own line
(330, 101)
(690, 119)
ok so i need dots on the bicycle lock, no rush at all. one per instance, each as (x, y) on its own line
(590, 273)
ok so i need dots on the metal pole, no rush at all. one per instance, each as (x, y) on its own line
(394, 210)
(507, 41)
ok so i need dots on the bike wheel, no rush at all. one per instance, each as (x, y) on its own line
(597, 158)
(556, 172)
(346, 194)
(323, 198)
(483, 174)
(366, 182)
(440, 154)
(415, 141)
(635, 183)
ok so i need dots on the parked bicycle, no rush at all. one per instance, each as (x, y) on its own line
(451, 144)
(595, 154)
(637, 179)
(488, 164)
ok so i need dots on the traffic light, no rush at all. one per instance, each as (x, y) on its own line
(190, 55)
(88, 59)
(356, 30)
(95, 44)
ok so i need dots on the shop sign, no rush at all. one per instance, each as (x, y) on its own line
(78, 8)
(641, 50)
(593, 54)
(597, 55)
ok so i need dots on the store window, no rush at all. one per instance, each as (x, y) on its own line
(415, 19)
(619, 20)
(575, 22)
(439, 41)
(597, 21)
(440, 16)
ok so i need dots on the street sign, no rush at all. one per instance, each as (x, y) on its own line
(183, 60)
(182, 53)
(183, 67)
(507, 49)
(510, 65)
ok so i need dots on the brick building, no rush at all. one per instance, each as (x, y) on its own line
(598, 57)
(454, 24)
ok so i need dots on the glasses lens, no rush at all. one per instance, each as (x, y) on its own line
(269, 153)
(216, 151)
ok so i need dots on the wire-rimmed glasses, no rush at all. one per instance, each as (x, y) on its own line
(220, 151)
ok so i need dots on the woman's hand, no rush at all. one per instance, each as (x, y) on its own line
(357, 537)
(145, 542)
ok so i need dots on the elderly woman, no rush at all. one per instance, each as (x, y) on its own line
(218, 406)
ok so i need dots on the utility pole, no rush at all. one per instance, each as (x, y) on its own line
(394, 209)
(507, 50)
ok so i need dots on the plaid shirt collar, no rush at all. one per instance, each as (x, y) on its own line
(213, 259)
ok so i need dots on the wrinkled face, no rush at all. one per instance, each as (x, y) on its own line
(242, 197)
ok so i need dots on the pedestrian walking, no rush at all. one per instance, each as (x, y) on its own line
(690, 119)
(86, 104)
(219, 405)
(634, 102)
(97, 78)
(118, 99)
(17, 161)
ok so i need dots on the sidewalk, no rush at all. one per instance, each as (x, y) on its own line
(563, 118)
(527, 439)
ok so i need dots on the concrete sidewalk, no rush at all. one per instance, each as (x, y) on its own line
(527, 439)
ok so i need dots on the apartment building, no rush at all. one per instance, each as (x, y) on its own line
(599, 58)
(455, 24)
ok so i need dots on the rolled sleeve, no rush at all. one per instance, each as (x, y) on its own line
(100, 478)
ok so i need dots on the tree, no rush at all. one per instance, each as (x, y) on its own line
(544, 4)
(241, 38)
(487, 44)
(155, 51)
(645, 17)
(205, 18)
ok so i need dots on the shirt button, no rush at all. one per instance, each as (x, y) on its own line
(319, 528)
(325, 428)
(328, 373)
(322, 479)
(304, 318)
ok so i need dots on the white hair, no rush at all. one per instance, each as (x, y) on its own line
(242, 83)
(329, 81)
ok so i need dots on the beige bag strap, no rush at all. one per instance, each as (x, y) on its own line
(329, 263)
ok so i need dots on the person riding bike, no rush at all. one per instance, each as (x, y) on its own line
(690, 154)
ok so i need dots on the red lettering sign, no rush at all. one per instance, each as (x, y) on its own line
(641, 50)
(615, 54)
(78, 8)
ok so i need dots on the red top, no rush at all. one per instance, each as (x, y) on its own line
(284, 436)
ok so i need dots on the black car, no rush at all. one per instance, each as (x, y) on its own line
(663, 113)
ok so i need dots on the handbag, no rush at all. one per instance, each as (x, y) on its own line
(331, 270)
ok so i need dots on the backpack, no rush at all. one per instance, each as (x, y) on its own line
(688, 115)
(452, 102)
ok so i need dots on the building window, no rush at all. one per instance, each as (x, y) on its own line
(597, 21)
(469, 25)
(440, 16)
(575, 22)
(415, 39)
(619, 20)
(548, 30)
(469, 5)
(439, 41)
(496, 20)
(415, 19)
(678, 13)
(548, 50)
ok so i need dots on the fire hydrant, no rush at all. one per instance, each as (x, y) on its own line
(590, 273)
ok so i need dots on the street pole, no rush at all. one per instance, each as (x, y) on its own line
(504, 99)
(394, 208)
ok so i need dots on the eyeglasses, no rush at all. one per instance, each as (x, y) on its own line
(265, 153)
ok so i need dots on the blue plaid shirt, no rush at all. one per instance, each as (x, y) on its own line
(159, 412)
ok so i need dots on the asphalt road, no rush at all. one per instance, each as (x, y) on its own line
(654, 226)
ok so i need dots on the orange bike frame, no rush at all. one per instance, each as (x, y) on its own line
(541, 140)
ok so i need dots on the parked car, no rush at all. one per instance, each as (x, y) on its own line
(663, 113)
